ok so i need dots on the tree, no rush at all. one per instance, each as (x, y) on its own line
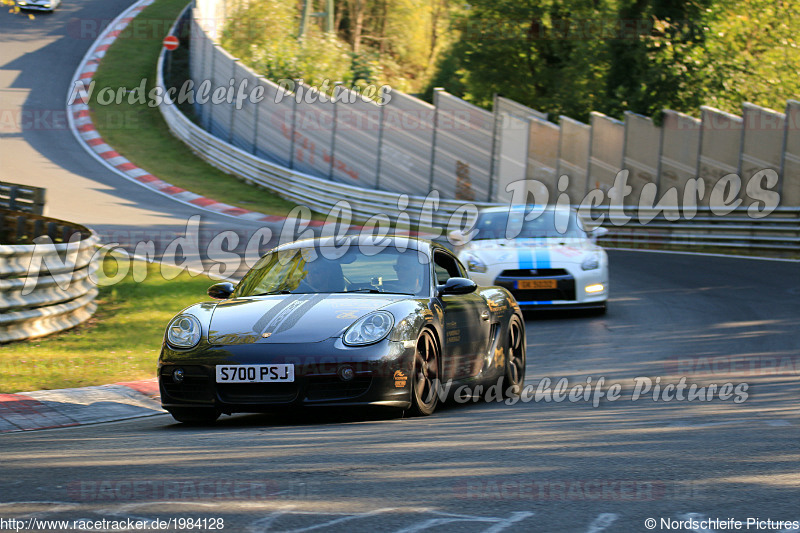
(752, 54)
(660, 66)
(356, 10)
(548, 54)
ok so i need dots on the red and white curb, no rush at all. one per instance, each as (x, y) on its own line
(81, 125)
(47, 409)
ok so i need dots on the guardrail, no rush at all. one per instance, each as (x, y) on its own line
(18, 197)
(780, 231)
(44, 288)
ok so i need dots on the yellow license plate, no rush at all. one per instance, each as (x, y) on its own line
(536, 284)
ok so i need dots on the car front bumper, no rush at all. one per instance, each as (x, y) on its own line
(37, 7)
(382, 376)
(570, 291)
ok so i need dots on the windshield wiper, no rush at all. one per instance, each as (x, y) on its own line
(374, 291)
(364, 289)
(383, 292)
(282, 291)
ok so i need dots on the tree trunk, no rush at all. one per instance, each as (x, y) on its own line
(358, 24)
(384, 17)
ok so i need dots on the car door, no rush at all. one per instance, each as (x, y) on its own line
(466, 322)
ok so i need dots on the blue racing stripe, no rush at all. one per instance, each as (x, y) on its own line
(539, 258)
(543, 261)
(542, 257)
(525, 258)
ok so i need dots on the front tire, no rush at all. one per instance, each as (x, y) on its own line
(195, 415)
(515, 359)
(425, 377)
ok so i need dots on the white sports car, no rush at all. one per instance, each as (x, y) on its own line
(543, 255)
(39, 5)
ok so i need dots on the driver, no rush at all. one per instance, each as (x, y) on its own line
(322, 276)
(410, 272)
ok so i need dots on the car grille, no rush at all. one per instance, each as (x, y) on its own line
(526, 273)
(333, 388)
(565, 284)
(199, 387)
(196, 385)
(257, 392)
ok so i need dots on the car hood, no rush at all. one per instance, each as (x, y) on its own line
(533, 253)
(290, 318)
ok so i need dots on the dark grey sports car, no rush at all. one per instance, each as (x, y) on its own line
(352, 324)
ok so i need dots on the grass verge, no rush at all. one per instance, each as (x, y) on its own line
(139, 132)
(120, 343)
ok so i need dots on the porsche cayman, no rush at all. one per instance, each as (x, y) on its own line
(313, 324)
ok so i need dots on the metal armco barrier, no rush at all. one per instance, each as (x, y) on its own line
(22, 198)
(780, 231)
(44, 288)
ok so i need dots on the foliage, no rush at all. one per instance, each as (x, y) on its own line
(752, 54)
(535, 52)
(651, 55)
(719, 53)
(377, 41)
(264, 36)
(661, 67)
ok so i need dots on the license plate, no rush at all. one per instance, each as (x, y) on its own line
(536, 284)
(255, 373)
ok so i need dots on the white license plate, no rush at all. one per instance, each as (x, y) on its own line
(255, 373)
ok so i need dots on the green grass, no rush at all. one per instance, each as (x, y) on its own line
(120, 343)
(138, 131)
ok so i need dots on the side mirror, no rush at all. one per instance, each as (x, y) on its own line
(456, 237)
(597, 233)
(221, 291)
(457, 286)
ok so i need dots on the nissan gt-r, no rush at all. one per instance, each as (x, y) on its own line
(544, 256)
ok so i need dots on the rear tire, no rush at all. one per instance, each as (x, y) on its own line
(515, 359)
(425, 376)
(195, 415)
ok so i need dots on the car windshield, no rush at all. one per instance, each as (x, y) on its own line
(548, 224)
(310, 270)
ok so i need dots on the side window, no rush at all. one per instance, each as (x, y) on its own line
(462, 271)
(441, 274)
(446, 267)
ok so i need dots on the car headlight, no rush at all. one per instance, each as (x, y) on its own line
(474, 264)
(369, 329)
(590, 263)
(184, 331)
